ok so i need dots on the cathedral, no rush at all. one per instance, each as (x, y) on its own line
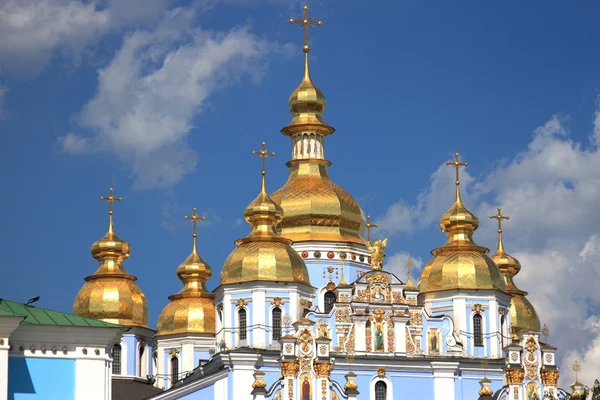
(305, 309)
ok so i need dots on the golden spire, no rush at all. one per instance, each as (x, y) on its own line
(110, 294)
(522, 313)
(460, 263)
(111, 199)
(500, 217)
(192, 310)
(306, 23)
(370, 226)
(409, 264)
(264, 255)
(342, 282)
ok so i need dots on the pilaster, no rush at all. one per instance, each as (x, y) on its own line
(359, 332)
(443, 379)
(400, 333)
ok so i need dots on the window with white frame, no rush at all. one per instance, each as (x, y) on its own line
(380, 390)
(243, 324)
(477, 330)
(116, 355)
(174, 369)
(276, 322)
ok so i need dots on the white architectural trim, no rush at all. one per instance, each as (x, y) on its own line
(389, 393)
(219, 379)
(141, 365)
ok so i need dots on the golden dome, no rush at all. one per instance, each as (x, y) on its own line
(192, 310)
(264, 255)
(111, 294)
(314, 207)
(523, 315)
(460, 263)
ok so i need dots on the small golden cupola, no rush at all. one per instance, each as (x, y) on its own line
(111, 294)
(192, 310)
(460, 263)
(315, 208)
(264, 255)
(523, 316)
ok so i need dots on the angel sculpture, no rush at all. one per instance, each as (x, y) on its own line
(377, 253)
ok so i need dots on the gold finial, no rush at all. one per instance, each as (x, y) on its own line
(409, 264)
(484, 366)
(342, 279)
(111, 199)
(500, 217)
(264, 153)
(457, 164)
(306, 22)
(576, 367)
(370, 226)
(545, 333)
(195, 218)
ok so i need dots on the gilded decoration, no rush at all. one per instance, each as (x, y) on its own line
(111, 294)
(531, 345)
(549, 358)
(378, 278)
(515, 376)
(478, 308)
(532, 371)
(350, 385)
(324, 389)
(305, 363)
(290, 368)
(173, 351)
(368, 337)
(259, 382)
(343, 315)
(241, 303)
(277, 302)
(410, 346)
(290, 389)
(486, 391)
(377, 253)
(322, 369)
(550, 377)
(361, 296)
(380, 371)
(305, 341)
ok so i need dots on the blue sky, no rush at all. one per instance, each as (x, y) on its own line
(166, 101)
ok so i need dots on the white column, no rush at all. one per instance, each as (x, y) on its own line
(91, 379)
(494, 329)
(221, 389)
(243, 378)
(160, 366)
(258, 318)
(359, 333)
(400, 333)
(460, 321)
(443, 379)
(187, 357)
(294, 305)
(228, 320)
(7, 327)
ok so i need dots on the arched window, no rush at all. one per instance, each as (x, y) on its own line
(276, 317)
(142, 364)
(477, 333)
(116, 355)
(243, 324)
(380, 390)
(329, 301)
(174, 370)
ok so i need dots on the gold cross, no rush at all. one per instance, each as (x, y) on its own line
(499, 217)
(263, 153)
(409, 264)
(484, 366)
(457, 164)
(195, 218)
(111, 199)
(306, 22)
(369, 226)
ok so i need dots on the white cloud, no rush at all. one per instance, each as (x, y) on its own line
(32, 31)
(396, 264)
(156, 83)
(551, 191)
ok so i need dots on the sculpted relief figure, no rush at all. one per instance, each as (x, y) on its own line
(377, 253)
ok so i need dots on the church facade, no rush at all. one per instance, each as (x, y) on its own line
(305, 309)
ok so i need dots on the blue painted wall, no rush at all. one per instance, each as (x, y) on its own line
(41, 378)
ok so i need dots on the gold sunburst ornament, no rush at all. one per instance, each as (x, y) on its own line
(576, 367)
(545, 333)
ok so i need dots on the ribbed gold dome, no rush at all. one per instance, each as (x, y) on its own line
(523, 315)
(315, 208)
(192, 310)
(111, 294)
(264, 255)
(460, 263)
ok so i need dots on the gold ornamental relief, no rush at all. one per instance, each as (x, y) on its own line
(550, 377)
(290, 368)
(531, 346)
(322, 369)
(378, 278)
(305, 363)
(515, 376)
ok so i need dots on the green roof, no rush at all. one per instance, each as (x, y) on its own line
(42, 316)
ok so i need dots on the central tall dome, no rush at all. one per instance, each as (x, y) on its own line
(315, 208)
